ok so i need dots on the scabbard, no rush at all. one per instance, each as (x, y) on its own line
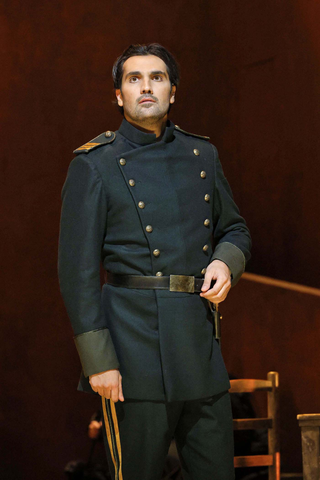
(214, 308)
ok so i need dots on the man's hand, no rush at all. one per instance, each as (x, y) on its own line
(220, 272)
(108, 384)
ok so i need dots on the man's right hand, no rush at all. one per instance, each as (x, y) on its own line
(108, 384)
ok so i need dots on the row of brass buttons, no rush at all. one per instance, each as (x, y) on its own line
(206, 223)
(141, 204)
(149, 228)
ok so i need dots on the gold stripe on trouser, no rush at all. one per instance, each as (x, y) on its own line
(113, 435)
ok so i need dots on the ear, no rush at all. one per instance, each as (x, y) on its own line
(119, 97)
(173, 93)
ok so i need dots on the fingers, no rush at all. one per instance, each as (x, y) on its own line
(103, 391)
(219, 291)
(108, 385)
(109, 393)
(217, 296)
(219, 272)
(219, 282)
(121, 397)
(114, 394)
(207, 281)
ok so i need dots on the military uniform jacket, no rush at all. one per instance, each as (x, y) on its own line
(147, 207)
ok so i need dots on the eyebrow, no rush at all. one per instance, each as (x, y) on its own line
(153, 72)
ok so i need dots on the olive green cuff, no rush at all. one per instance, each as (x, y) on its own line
(231, 256)
(96, 351)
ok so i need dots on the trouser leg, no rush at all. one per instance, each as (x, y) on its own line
(204, 438)
(145, 432)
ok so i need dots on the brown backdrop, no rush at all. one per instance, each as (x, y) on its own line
(250, 80)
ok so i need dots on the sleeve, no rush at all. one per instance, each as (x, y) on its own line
(82, 230)
(232, 239)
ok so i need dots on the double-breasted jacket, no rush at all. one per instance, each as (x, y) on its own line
(142, 206)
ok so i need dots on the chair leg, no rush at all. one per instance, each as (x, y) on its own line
(273, 435)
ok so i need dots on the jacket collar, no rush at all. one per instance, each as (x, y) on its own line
(141, 138)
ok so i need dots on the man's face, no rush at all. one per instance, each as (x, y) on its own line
(146, 91)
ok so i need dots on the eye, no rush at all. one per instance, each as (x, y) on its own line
(157, 78)
(133, 79)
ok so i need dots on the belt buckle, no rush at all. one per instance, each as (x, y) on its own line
(181, 283)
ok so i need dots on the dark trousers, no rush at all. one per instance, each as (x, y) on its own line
(138, 445)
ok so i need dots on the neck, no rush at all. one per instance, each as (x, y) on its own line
(150, 126)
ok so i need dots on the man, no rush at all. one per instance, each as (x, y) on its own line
(151, 203)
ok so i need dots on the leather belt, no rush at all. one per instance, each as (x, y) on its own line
(173, 283)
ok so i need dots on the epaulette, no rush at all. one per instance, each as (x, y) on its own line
(191, 134)
(103, 139)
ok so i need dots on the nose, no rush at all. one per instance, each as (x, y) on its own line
(146, 86)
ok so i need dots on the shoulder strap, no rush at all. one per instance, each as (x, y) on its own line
(190, 134)
(103, 139)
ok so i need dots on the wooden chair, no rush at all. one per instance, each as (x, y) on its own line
(272, 460)
(310, 439)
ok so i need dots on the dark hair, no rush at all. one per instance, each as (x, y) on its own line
(141, 50)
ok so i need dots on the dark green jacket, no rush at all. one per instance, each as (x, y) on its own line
(118, 184)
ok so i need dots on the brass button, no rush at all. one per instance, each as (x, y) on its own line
(196, 152)
(122, 161)
(132, 182)
(141, 204)
(205, 248)
(207, 197)
(206, 223)
(149, 228)
(108, 133)
(203, 271)
(156, 252)
(159, 274)
(203, 174)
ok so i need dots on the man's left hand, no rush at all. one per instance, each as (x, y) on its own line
(219, 272)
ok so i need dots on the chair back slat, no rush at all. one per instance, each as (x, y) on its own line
(252, 423)
(253, 461)
(248, 385)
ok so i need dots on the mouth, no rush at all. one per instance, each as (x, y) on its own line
(147, 100)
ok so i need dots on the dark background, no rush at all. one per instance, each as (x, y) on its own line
(251, 81)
